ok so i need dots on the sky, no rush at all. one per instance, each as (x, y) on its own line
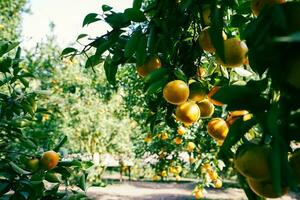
(67, 15)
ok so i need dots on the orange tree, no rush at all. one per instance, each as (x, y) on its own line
(30, 162)
(240, 55)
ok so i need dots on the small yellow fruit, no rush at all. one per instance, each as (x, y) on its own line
(164, 136)
(33, 164)
(181, 130)
(198, 194)
(164, 173)
(178, 178)
(178, 140)
(148, 138)
(155, 178)
(217, 183)
(191, 146)
(213, 175)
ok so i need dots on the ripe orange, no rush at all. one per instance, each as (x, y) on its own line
(181, 130)
(49, 159)
(178, 140)
(217, 128)
(205, 42)
(176, 92)
(188, 112)
(197, 92)
(253, 162)
(155, 178)
(164, 173)
(198, 194)
(258, 5)
(33, 164)
(265, 188)
(211, 93)
(206, 108)
(294, 162)
(190, 146)
(151, 65)
(235, 52)
(217, 183)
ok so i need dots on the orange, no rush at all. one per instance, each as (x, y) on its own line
(197, 92)
(190, 146)
(235, 52)
(188, 112)
(294, 162)
(49, 159)
(210, 95)
(155, 178)
(176, 92)
(217, 183)
(217, 128)
(33, 164)
(151, 65)
(177, 178)
(198, 194)
(205, 42)
(253, 162)
(258, 5)
(265, 188)
(181, 130)
(164, 173)
(177, 140)
(206, 108)
(213, 175)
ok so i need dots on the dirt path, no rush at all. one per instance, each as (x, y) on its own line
(164, 191)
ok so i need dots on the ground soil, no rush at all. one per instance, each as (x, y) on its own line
(141, 190)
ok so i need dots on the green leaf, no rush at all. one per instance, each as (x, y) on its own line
(157, 86)
(92, 61)
(18, 169)
(90, 18)
(180, 75)
(68, 51)
(156, 75)
(82, 182)
(61, 143)
(238, 20)
(106, 8)
(111, 69)
(135, 15)
(294, 37)
(6, 47)
(236, 132)
(70, 163)
(141, 51)
(83, 35)
(4, 186)
(5, 64)
(137, 4)
(216, 31)
(117, 20)
(52, 177)
(132, 43)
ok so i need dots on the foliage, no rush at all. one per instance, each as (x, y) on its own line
(10, 18)
(266, 86)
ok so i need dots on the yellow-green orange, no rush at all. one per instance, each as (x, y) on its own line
(206, 108)
(187, 112)
(217, 128)
(49, 159)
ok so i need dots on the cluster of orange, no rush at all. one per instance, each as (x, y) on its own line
(49, 160)
(253, 162)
